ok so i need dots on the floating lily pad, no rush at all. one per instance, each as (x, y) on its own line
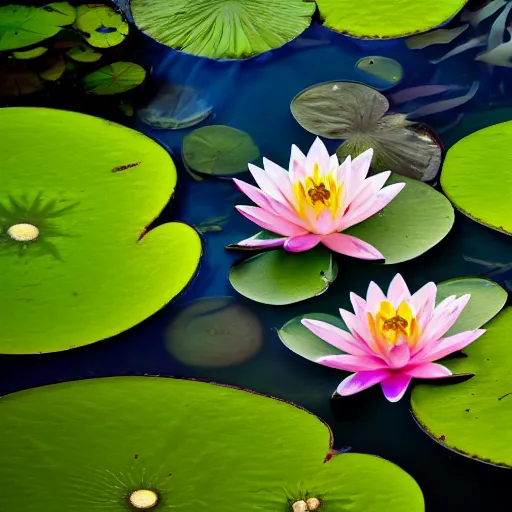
(476, 179)
(473, 417)
(218, 150)
(373, 19)
(414, 222)
(114, 78)
(30, 54)
(19, 83)
(83, 53)
(223, 29)
(87, 189)
(242, 443)
(487, 300)
(214, 332)
(280, 277)
(22, 26)
(357, 113)
(56, 68)
(101, 26)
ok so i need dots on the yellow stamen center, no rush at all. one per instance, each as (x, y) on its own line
(319, 193)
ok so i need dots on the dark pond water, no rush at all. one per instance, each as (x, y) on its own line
(254, 96)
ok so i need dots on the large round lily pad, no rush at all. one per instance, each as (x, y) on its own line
(218, 150)
(476, 177)
(22, 25)
(279, 277)
(90, 188)
(89, 446)
(100, 25)
(358, 114)
(386, 18)
(415, 221)
(474, 417)
(223, 29)
(114, 78)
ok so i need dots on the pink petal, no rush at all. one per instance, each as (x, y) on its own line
(358, 303)
(297, 165)
(264, 182)
(344, 170)
(398, 291)
(263, 244)
(302, 243)
(395, 386)
(359, 170)
(360, 381)
(428, 371)
(281, 179)
(324, 224)
(270, 221)
(336, 337)
(333, 162)
(376, 204)
(445, 315)
(253, 193)
(318, 154)
(351, 363)
(423, 302)
(351, 246)
(358, 326)
(399, 356)
(448, 345)
(374, 297)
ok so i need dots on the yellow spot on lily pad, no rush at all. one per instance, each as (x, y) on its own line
(23, 232)
(143, 499)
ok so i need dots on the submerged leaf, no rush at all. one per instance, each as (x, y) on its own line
(55, 70)
(223, 29)
(19, 83)
(114, 78)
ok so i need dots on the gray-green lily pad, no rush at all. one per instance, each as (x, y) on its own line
(223, 29)
(114, 79)
(279, 277)
(476, 178)
(75, 252)
(55, 69)
(83, 53)
(30, 54)
(473, 418)
(218, 150)
(414, 222)
(101, 26)
(241, 443)
(214, 332)
(357, 114)
(22, 25)
(487, 300)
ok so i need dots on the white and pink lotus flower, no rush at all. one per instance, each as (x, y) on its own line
(394, 338)
(315, 201)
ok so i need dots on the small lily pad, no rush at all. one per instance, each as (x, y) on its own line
(357, 113)
(214, 332)
(414, 222)
(22, 26)
(223, 29)
(19, 83)
(56, 68)
(102, 27)
(242, 443)
(75, 251)
(476, 178)
(279, 277)
(114, 78)
(83, 53)
(374, 19)
(473, 417)
(218, 150)
(30, 54)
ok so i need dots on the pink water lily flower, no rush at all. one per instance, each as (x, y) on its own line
(316, 200)
(393, 339)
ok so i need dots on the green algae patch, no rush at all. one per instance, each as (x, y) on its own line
(88, 270)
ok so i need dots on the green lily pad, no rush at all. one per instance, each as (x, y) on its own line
(475, 177)
(30, 54)
(373, 19)
(242, 443)
(358, 114)
(214, 332)
(223, 29)
(487, 300)
(101, 26)
(90, 187)
(114, 78)
(279, 277)
(218, 150)
(83, 53)
(473, 417)
(22, 26)
(414, 222)
(56, 68)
